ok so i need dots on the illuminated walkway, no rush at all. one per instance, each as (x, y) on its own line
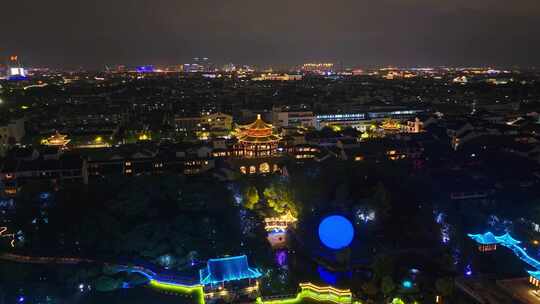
(507, 241)
(313, 292)
(177, 285)
(156, 281)
(42, 260)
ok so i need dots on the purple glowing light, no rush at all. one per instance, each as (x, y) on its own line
(468, 270)
(281, 258)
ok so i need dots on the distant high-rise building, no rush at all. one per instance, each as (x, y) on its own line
(199, 65)
(192, 68)
(15, 69)
(229, 67)
(204, 63)
(320, 68)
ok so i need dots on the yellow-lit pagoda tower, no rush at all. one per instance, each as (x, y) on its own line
(257, 147)
(257, 140)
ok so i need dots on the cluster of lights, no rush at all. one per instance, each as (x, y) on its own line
(225, 292)
(339, 117)
(365, 216)
(364, 116)
(83, 288)
(279, 223)
(445, 227)
(247, 223)
(166, 260)
(3, 234)
(407, 284)
(144, 137)
(56, 140)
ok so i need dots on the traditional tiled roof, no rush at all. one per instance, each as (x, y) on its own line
(487, 238)
(534, 274)
(227, 269)
(257, 132)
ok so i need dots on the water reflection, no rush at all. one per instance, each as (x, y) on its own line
(332, 277)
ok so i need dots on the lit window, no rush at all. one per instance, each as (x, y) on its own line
(264, 168)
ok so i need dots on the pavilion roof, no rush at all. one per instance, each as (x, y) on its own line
(507, 240)
(487, 238)
(257, 132)
(535, 274)
(258, 124)
(227, 269)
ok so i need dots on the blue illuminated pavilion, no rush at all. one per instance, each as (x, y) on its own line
(487, 238)
(507, 240)
(534, 274)
(227, 269)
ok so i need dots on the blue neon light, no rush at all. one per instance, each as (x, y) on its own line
(227, 269)
(509, 242)
(336, 232)
(507, 239)
(534, 274)
(407, 284)
(487, 238)
(17, 78)
(468, 270)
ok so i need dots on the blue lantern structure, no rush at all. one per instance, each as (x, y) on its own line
(336, 232)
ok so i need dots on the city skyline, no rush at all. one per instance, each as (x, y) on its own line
(411, 33)
(270, 152)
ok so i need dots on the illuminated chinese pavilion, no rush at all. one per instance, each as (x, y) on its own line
(56, 140)
(257, 140)
(277, 229)
(280, 223)
(222, 270)
(534, 278)
(228, 276)
(486, 242)
(391, 125)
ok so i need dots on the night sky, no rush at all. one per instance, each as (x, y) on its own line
(71, 33)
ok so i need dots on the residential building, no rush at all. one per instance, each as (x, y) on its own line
(286, 116)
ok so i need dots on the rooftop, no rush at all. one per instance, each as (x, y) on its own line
(227, 269)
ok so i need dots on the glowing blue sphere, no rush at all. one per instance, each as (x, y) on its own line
(407, 284)
(336, 232)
